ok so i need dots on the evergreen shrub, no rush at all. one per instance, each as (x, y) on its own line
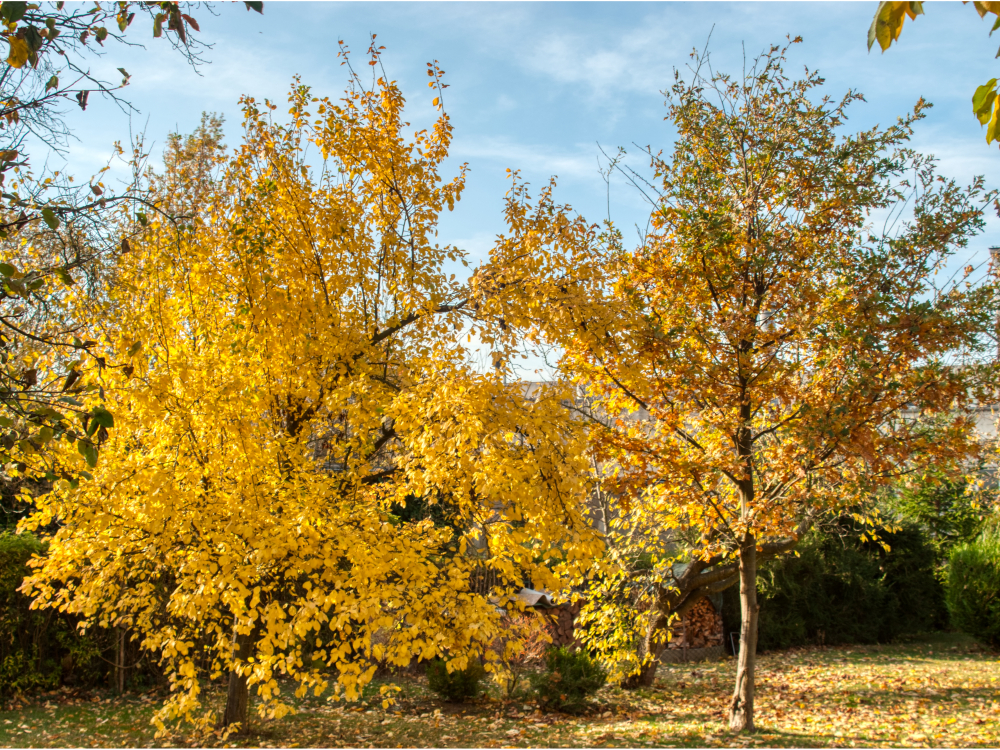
(973, 587)
(842, 589)
(570, 677)
(458, 685)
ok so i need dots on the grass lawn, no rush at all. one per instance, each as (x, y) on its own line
(939, 691)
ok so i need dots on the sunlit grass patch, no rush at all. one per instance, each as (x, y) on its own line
(940, 691)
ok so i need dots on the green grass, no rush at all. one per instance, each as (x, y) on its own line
(941, 691)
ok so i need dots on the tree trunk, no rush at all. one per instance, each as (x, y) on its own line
(646, 677)
(238, 696)
(652, 645)
(741, 708)
(119, 660)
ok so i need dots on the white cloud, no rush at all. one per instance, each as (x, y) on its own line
(505, 103)
(636, 61)
(579, 160)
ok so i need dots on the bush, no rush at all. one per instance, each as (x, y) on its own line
(522, 644)
(973, 588)
(570, 677)
(841, 589)
(457, 685)
(29, 657)
(19, 674)
(43, 649)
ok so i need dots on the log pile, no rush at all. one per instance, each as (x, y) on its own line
(700, 627)
(559, 622)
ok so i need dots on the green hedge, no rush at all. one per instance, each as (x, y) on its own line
(841, 589)
(39, 649)
(973, 587)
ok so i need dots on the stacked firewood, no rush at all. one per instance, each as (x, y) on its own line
(559, 622)
(700, 627)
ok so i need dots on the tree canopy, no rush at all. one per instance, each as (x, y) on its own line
(297, 388)
(58, 233)
(775, 338)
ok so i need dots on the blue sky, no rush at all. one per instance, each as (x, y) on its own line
(537, 86)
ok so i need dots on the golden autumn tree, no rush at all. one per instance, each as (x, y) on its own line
(306, 478)
(774, 350)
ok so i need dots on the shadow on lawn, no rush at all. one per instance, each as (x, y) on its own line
(800, 694)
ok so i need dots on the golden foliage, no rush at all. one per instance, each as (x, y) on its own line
(297, 389)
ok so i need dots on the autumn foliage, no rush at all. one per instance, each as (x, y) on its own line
(297, 388)
(307, 478)
(762, 358)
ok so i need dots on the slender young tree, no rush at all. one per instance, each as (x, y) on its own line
(766, 356)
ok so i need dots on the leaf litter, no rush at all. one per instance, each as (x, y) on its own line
(940, 691)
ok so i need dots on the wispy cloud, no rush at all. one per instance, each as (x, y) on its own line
(572, 59)
(631, 55)
(535, 86)
(577, 160)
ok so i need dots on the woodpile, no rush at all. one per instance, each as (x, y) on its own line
(559, 622)
(700, 627)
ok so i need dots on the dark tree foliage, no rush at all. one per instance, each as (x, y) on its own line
(843, 589)
(949, 510)
(43, 649)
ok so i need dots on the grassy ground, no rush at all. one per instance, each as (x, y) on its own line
(939, 691)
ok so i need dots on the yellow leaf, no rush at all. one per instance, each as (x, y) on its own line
(19, 52)
(888, 21)
(992, 128)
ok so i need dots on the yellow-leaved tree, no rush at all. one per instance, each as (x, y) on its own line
(306, 478)
(57, 234)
